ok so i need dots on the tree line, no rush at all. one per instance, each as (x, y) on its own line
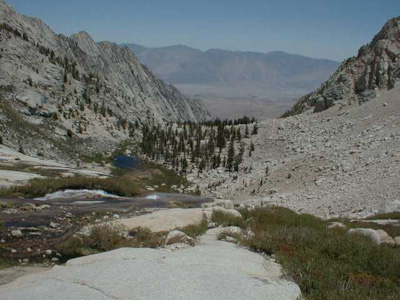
(207, 145)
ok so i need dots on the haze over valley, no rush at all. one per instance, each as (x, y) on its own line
(234, 83)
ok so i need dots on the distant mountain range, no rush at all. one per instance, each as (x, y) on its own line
(221, 74)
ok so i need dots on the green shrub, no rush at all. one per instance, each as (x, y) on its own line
(226, 219)
(144, 237)
(326, 264)
(108, 237)
(195, 230)
(385, 216)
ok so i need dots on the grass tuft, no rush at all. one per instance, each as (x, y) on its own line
(195, 230)
(226, 219)
(109, 237)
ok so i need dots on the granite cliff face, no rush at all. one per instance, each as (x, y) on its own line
(358, 79)
(73, 86)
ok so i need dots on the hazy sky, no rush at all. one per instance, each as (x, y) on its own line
(332, 29)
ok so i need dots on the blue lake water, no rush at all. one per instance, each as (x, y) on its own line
(127, 162)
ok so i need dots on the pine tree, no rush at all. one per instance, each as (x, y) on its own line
(103, 109)
(255, 129)
(202, 166)
(21, 150)
(251, 148)
(231, 156)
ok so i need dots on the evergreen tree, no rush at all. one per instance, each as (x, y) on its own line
(255, 129)
(65, 77)
(202, 166)
(231, 156)
(103, 110)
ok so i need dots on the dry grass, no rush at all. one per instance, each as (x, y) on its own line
(195, 230)
(109, 237)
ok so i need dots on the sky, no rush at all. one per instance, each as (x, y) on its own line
(333, 29)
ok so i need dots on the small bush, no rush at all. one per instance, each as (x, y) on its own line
(195, 230)
(72, 247)
(226, 219)
(144, 237)
(106, 237)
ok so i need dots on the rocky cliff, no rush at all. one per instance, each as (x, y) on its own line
(358, 79)
(61, 87)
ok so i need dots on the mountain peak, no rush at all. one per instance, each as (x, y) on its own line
(85, 42)
(390, 31)
(377, 67)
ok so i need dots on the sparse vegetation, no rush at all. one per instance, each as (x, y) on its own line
(39, 187)
(326, 264)
(195, 230)
(108, 237)
(385, 216)
(226, 219)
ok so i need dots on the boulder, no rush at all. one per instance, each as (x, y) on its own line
(336, 225)
(16, 233)
(53, 225)
(176, 236)
(233, 230)
(163, 220)
(231, 239)
(232, 212)
(208, 213)
(385, 238)
(228, 204)
(367, 232)
(389, 206)
(397, 241)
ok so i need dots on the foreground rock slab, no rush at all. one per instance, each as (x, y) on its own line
(164, 220)
(212, 270)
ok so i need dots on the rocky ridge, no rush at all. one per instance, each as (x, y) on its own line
(358, 79)
(73, 86)
(343, 161)
(340, 162)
